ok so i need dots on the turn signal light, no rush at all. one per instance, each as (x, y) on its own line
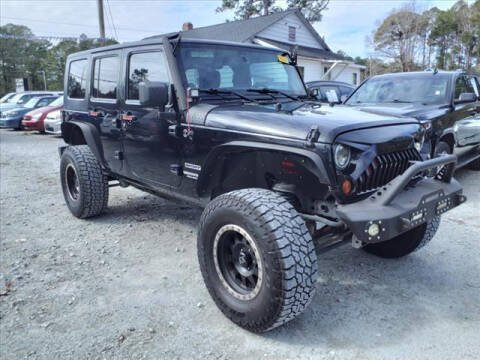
(347, 187)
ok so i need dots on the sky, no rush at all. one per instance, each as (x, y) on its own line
(345, 24)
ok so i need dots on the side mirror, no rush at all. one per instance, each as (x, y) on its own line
(466, 97)
(313, 93)
(153, 94)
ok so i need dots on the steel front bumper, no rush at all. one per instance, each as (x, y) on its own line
(399, 207)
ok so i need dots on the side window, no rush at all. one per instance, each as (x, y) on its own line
(105, 78)
(147, 66)
(77, 79)
(44, 102)
(344, 90)
(460, 87)
(472, 85)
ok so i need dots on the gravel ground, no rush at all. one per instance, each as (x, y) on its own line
(127, 285)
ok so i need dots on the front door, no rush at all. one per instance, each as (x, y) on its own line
(150, 153)
(103, 106)
(466, 115)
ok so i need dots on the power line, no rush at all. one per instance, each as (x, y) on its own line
(111, 18)
(71, 24)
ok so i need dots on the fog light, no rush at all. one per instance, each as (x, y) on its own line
(373, 230)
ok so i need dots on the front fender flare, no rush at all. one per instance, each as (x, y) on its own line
(314, 164)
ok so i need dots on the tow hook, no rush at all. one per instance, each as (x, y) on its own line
(356, 243)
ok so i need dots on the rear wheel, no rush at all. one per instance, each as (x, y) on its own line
(85, 187)
(257, 258)
(407, 242)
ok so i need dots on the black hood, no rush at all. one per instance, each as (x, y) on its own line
(296, 124)
(411, 110)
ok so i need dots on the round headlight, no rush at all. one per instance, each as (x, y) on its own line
(342, 156)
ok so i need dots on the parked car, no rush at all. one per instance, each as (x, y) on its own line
(22, 98)
(34, 120)
(6, 97)
(12, 118)
(53, 121)
(194, 120)
(446, 102)
(330, 91)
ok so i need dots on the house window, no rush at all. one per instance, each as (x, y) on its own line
(355, 78)
(325, 70)
(292, 33)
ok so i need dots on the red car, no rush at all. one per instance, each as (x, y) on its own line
(33, 120)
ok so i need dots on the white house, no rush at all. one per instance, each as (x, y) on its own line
(287, 30)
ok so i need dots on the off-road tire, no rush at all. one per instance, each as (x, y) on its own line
(93, 184)
(407, 242)
(474, 165)
(285, 248)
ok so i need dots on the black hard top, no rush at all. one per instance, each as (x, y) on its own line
(159, 41)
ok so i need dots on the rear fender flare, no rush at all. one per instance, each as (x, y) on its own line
(90, 134)
(213, 165)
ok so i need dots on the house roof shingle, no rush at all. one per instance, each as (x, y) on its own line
(237, 31)
(247, 30)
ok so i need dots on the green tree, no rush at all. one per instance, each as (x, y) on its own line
(245, 9)
(20, 56)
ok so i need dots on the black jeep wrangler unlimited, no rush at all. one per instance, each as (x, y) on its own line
(230, 127)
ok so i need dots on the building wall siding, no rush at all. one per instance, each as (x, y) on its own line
(314, 70)
(279, 32)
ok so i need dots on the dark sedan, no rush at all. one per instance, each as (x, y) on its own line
(329, 91)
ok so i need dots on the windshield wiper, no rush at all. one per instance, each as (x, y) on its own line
(271, 91)
(214, 91)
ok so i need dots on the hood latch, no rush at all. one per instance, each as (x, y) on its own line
(312, 136)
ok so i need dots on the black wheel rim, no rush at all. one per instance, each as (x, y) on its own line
(72, 183)
(237, 262)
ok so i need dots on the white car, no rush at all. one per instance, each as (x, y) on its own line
(52, 122)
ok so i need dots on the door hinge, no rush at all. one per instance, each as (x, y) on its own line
(118, 155)
(312, 136)
(176, 169)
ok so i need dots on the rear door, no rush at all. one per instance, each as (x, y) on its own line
(103, 107)
(150, 153)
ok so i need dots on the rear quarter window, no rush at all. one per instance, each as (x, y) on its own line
(77, 79)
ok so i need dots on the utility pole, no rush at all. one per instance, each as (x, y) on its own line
(101, 22)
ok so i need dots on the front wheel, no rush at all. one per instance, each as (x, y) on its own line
(84, 185)
(407, 242)
(257, 258)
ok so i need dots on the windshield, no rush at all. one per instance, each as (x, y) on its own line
(18, 99)
(31, 103)
(6, 97)
(425, 88)
(57, 102)
(237, 68)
